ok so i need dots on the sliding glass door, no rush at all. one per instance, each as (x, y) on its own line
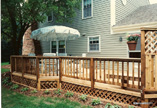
(58, 46)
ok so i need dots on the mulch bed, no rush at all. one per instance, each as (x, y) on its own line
(52, 94)
(6, 66)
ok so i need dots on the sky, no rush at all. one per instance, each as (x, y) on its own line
(153, 1)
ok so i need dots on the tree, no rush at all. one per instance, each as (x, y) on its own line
(19, 15)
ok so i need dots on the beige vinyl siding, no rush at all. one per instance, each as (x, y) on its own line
(45, 46)
(99, 24)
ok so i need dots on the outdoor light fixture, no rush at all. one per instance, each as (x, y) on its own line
(120, 39)
(83, 34)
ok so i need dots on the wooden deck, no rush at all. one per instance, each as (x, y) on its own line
(118, 79)
(98, 85)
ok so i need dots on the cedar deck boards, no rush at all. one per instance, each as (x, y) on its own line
(97, 85)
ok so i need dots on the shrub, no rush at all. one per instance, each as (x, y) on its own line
(133, 107)
(5, 80)
(24, 89)
(14, 86)
(10, 83)
(108, 105)
(47, 91)
(96, 101)
(34, 91)
(83, 97)
(69, 94)
(58, 92)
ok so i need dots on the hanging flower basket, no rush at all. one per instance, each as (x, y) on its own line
(132, 41)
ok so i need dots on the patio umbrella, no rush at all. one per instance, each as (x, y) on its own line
(55, 33)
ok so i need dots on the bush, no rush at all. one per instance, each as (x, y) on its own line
(5, 80)
(10, 84)
(47, 91)
(108, 105)
(58, 92)
(34, 91)
(96, 101)
(15, 86)
(24, 89)
(133, 107)
(83, 97)
(69, 94)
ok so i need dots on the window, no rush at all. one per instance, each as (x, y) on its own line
(53, 47)
(94, 44)
(87, 8)
(61, 46)
(50, 17)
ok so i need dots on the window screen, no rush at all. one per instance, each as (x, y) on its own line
(87, 8)
(93, 43)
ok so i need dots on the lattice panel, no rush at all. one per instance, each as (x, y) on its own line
(113, 96)
(48, 84)
(28, 82)
(151, 42)
(154, 103)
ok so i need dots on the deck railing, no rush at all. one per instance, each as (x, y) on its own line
(117, 71)
(48, 66)
(123, 72)
(24, 64)
(76, 67)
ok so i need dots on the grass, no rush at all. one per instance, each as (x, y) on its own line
(4, 70)
(12, 99)
(4, 63)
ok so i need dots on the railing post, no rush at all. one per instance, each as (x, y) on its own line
(92, 73)
(122, 86)
(11, 63)
(37, 73)
(23, 67)
(60, 70)
(142, 63)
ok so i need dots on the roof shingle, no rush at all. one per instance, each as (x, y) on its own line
(143, 14)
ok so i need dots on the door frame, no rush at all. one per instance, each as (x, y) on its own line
(57, 46)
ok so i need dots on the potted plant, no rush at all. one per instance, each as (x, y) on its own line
(132, 41)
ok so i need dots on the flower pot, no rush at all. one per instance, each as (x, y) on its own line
(132, 45)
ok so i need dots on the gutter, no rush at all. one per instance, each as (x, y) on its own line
(132, 28)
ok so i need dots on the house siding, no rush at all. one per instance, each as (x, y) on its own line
(99, 24)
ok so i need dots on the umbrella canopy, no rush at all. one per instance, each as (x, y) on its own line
(53, 33)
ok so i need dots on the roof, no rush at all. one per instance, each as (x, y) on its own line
(143, 14)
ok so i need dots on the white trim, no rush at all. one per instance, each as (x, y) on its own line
(132, 27)
(99, 44)
(112, 14)
(91, 10)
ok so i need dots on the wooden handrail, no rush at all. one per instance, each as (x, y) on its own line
(120, 59)
(84, 68)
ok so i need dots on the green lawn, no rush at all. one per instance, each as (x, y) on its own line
(11, 99)
(4, 70)
(4, 63)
